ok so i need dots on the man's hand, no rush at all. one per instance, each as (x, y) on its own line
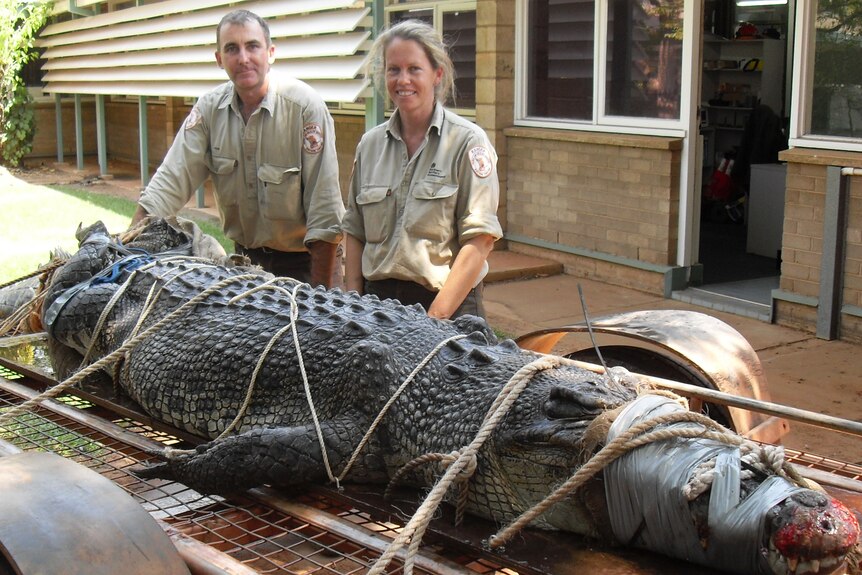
(322, 262)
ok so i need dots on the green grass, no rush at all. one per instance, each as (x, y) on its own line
(34, 220)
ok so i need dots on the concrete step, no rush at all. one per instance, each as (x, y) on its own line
(505, 265)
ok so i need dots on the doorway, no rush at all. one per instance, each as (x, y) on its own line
(745, 94)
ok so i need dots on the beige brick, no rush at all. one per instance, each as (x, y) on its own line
(802, 243)
(798, 213)
(803, 183)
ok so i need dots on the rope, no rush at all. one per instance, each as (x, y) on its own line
(446, 459)
(149, 302)
(417, 525)
(18, 319)
(392, 399)
(119, 352)
(15, 323)
(623, 444)
(49, 267)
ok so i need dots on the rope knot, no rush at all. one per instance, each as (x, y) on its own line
(469, 468)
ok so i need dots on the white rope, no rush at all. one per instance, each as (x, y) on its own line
(153, 296)
(754, 458)
(417, 525)
(148, 303)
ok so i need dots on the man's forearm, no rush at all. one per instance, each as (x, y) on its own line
(140, 214)
(322, 262)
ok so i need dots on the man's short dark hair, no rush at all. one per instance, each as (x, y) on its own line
(242, 17)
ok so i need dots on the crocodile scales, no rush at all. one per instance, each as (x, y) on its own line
(196, 370)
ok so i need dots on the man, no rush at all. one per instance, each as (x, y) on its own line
(268, 143)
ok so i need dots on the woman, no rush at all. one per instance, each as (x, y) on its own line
(422, 205)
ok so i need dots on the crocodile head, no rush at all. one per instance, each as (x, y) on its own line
(809, 533)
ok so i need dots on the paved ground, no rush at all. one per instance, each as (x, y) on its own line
(802, 371)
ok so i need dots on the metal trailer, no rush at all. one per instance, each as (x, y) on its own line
(68, 518)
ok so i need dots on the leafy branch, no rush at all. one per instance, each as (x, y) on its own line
(20, 22)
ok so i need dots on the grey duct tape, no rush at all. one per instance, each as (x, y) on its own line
(644, 489)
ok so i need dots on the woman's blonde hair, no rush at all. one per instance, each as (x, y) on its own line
(430, 41)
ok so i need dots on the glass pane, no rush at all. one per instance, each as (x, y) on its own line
(837, 92)
(424, 14)
(560, 59)
(644, 58)
(459, 30)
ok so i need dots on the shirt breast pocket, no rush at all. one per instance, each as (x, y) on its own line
(431, 212)
(282, 193)
(224, 177)
(378, 212)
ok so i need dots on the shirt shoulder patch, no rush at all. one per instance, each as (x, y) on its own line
(480, 161)
(193, 119)
(312, 138)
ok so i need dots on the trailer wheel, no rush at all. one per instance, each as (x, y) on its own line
(648, 362)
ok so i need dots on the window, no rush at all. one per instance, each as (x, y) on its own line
(560, 59)
(639, 41)
(457, 22)
(836, 96)
(644, 58)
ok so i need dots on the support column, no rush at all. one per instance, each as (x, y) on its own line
(58, 112)
(832, 258)
(374, 112)
(79, 132)
(143, 140)
(101, 139)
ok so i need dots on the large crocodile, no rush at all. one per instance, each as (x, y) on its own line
(269, 370)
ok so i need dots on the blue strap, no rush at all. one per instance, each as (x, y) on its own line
(126, 264)
(107, 275)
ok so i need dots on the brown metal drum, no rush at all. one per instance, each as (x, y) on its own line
(57, 516)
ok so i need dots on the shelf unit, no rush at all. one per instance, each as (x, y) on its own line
(738, 87)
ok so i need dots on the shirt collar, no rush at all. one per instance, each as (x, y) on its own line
(393, 126)
(231, 98)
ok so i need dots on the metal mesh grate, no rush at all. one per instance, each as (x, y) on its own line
(840, 468)
(266, 540)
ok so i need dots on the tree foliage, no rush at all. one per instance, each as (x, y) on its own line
(20, 21)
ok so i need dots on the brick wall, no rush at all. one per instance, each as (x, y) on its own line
(123, 135)
(495, 83)
(45, 137)
(802, 242)
(612, 194)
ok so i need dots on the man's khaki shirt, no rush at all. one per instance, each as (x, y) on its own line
(276, 177)
(414, 214)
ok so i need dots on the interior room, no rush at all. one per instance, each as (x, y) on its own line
(745, 94)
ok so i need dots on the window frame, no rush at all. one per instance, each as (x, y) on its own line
(438, 7)
(802, 87)
(602, 122)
